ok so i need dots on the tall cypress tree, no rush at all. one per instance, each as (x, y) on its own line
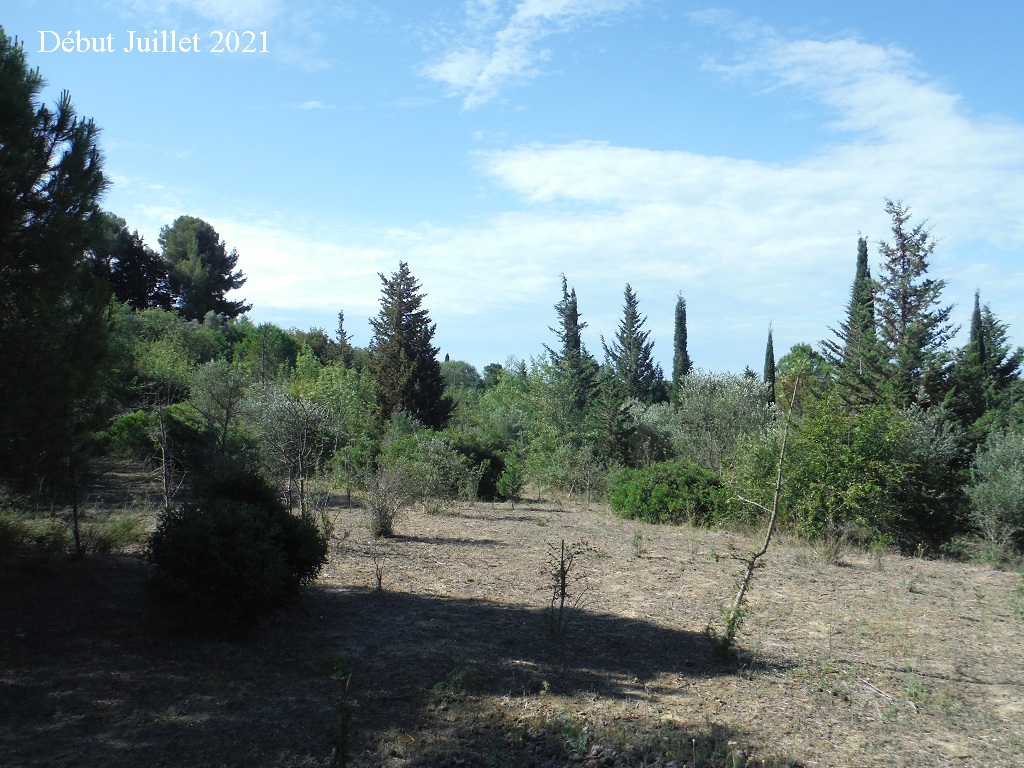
(681, 362)
(855, 352)
(913, 328)
(403, 358)
(630, 354)
(769, 367)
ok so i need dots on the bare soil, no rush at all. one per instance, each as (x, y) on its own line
(880, 661)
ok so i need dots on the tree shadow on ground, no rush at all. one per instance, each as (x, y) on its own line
(93, 675)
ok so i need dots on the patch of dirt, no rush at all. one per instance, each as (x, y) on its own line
(880, 661)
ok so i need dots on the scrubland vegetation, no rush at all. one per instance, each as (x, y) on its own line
(319, 554)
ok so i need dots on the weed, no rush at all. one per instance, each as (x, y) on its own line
(639, 550)
(567, 587)
(342, 737)
(913, 584)
(459, 681)
(379, 555)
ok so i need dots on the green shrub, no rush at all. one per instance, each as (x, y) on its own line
(997, 491)
(226, 560)
(667, 492)
(478, 453)
(510, 482)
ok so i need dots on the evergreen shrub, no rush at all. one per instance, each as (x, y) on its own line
(479, 453)
(222, 562)
(667, 492)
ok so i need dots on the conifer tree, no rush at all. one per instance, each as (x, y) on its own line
(346, 353)
(54, 318)
(630, 355)
(986, 370)
(681, 363)
(913, 329)
(576, 369)
(135, 272)
(200, 269)
(403, 358)
(855, 352)
(769, 368)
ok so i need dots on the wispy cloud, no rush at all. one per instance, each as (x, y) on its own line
(498, 47)
(241, 14)
(314, 104)
(748, 242)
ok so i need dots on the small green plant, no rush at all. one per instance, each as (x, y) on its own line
(458, 682)
(343, 735)
(637, 542)
(388, 491)
(510, 482)
(723, 641)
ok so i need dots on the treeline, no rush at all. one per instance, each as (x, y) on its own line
(111, 347)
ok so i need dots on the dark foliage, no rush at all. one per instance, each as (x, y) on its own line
(404, 360)
(232, 556)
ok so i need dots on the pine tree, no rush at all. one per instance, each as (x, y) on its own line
(630, 355)
(135, 272)
(403, 358)
(200, 269)
(855, 354)
(769, 368)
(681, 363)
(54, 318)
(913, 329)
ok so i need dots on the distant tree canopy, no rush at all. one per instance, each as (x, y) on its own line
(135, 272)
(404, 360)
(200, 269)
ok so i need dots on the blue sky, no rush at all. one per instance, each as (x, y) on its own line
(731, 153)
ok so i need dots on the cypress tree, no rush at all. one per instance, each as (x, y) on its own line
(681, 363)
(986, 369)
(769, 368)
(855, 353)
(403, 358)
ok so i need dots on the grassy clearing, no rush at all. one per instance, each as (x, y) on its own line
(871, 660)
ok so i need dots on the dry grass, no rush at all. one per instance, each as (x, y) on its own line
(879, 661)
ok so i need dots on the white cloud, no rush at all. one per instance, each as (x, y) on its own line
(501, 49)
(747, 242)
(239, 14)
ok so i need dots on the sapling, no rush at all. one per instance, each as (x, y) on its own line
(732, 616)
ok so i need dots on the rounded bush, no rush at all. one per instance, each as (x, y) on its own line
(223, 562)
(667, 492)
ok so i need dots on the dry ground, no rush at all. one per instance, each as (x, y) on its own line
(880, 661)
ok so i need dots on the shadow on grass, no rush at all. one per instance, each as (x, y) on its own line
(92, 675)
